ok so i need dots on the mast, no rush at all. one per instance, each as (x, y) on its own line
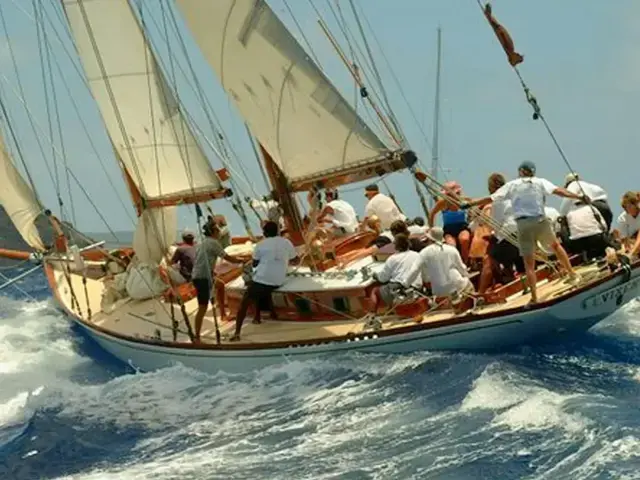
(287, 202)
(435, 160)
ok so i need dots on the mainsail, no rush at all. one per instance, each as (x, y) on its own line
(153, 142)
(19, 200)
(298, 116)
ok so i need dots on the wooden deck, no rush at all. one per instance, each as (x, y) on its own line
(152, 319)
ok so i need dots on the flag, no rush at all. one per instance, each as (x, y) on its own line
(503, 37)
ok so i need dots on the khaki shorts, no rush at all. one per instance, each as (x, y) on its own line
(533, 230)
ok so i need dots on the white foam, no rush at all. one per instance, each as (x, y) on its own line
(519, 403)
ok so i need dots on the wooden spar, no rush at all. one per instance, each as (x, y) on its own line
(356, 77)
(292, 217)
(14, 254)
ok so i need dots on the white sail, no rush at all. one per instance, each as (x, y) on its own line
(147, 128)
(19, 201)
(304, 123)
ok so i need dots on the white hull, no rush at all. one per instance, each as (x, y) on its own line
(578, 312)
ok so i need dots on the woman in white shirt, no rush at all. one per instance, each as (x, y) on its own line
(395, 273)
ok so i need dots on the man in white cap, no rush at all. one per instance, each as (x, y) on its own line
(528, 197)
(597, 195)
(441, 265)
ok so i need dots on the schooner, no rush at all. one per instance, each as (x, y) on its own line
(310, 138)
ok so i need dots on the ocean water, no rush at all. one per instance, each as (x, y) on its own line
(555, 411)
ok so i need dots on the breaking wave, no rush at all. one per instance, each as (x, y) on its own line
(67, 411)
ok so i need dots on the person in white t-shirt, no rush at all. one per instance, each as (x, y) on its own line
(441, 265)
(629, 223)
(528, 196)
(585, 233)
(271, 259)
(339, 214)
(597, 195)
(394, 274)
(381, 206)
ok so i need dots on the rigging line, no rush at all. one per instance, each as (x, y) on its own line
(39, 25)
(56, 109)
(369, 66)
(212, 118)
(302, 34)
(159, 77)
(107, 83)
(177, 98)
(356, 58)
(235, 202)
(377, 75)
(537, 114)
(92, 143)
(22, 96)
(40, 131)
(397, 81)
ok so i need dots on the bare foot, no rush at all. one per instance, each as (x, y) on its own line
(235, 338)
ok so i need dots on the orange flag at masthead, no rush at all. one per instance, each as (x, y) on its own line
(503, 37)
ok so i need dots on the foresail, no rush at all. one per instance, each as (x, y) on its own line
(295, 112)
(148, 131)
(19, 201)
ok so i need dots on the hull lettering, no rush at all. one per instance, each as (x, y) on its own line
(613, 295)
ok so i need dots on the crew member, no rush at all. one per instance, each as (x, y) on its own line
(394, 273)
(502, 255)
(271, 258)
(528, 195)
(381, 206)
(184, 256)
(629, 222)
(339, 214)
(441, 265)
(454, 219)
(596, 194)
(203, 277)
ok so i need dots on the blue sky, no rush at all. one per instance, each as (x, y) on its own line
(580, 61)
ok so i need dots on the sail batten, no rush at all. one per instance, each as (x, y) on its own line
(152, 139)
(292, 108)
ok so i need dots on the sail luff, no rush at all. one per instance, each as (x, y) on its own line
(152, 139)
(298, 116)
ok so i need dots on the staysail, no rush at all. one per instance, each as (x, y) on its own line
(153, 142)
(297, 115)
(19, 200)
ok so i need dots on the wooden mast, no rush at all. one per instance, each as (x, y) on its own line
(280, 184)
